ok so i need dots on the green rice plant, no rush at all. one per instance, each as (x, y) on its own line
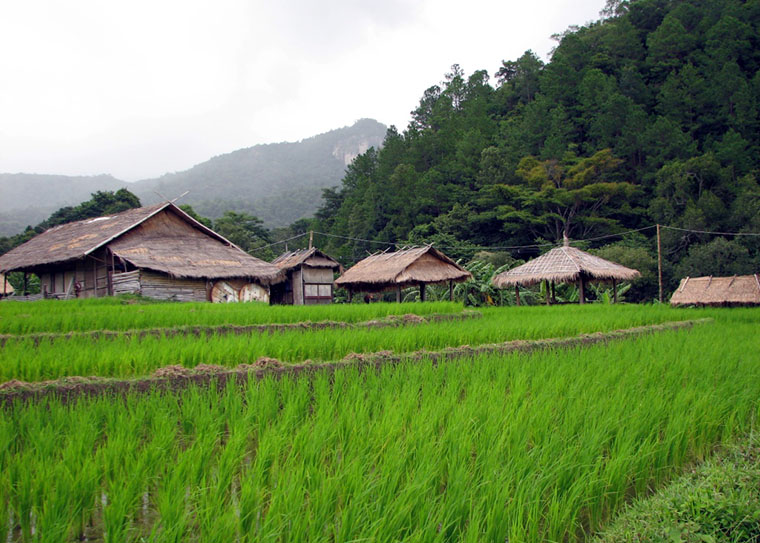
(113, 314)
(528, 447)
(30, 361)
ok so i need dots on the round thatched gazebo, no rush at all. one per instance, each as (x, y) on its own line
(564, 265)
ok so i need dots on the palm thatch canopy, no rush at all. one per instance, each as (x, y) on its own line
(736, 290)
(307, 257)
(415, 266)
(564, 265)
(162, 238)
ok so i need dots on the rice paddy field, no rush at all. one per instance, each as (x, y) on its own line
(541, 446)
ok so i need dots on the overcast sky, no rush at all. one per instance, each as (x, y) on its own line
(138, 88)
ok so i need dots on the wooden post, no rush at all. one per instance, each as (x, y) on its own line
(659, 261)
(517, 294)
(350, 295)
(581, 290)
(25, 284)
(451, 291)
(422, 292)
(95, 277)
(398, 294)
(546, 287)
(311, 238)
(5, 284)
(614, 291)
(554, 297)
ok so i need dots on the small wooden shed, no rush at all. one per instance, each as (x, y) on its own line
(417, 266)
(718, 291)
(309, 278)
(157, 251)
(564, 264)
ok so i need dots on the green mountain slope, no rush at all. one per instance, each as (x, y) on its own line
(279, 182)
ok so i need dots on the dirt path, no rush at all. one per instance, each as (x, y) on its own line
(174, 378)
(390, 321)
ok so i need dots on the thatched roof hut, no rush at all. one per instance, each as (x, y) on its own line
(565, 265)
(309, 277)
(418, 266)
(161, 241)
(736, 290)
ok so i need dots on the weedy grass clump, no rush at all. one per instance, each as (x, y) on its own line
(715, 502)
(541, 447)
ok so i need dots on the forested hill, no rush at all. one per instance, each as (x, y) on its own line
(649, 115)
(279, 182)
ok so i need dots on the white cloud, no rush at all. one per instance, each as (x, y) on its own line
(139, 88)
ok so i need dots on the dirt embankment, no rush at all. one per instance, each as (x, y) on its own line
(174, 378)
(391, 321)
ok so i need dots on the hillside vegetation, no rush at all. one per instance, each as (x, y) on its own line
(649, 115)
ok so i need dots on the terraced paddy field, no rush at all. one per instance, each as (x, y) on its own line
(531, 446)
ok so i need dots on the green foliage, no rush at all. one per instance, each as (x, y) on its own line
(717, 502)
(245, 231)
(647, 116)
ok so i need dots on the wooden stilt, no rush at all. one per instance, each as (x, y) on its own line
(581, 290)
(451, 291)
(398, 294)
(350, 295)
(422, 292)
(26, 281)
(517, 294)
(614, 291)
(554, 297)
(5, 284)
(546, 285)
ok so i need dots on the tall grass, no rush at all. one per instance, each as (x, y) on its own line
(133, 356)
(541, 447)
(115, 314)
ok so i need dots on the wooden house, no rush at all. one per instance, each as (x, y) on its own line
(309, 278)
(418, 266)
(157, 251)
(718, 291)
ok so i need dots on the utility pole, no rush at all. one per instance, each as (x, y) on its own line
(659, 261)
(311, 238)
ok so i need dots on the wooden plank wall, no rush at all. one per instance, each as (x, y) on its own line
(126, 283)
(163, 287)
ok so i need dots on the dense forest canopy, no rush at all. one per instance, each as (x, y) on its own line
(649, 115)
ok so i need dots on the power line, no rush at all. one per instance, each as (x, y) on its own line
(708, 232)
(513, 247)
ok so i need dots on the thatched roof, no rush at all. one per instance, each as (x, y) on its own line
(563, 265)
(307, 257)
(6, 289)
(739, 290)
(160, 237)
(402, 268)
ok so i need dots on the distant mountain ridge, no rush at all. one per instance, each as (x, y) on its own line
(278, 182)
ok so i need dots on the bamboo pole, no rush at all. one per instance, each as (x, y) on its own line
(398, 294)
(311, 238)
(422, 292)
(517, 294)
(451, 291)
(581, 290)
(614, 291)
(554, 297)
(546, 285)
(659, 261)
(25, 283)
